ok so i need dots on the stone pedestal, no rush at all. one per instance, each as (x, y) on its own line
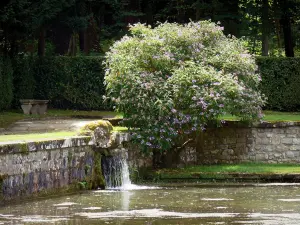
(33, 106)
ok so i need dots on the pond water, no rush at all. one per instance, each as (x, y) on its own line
(172, 204)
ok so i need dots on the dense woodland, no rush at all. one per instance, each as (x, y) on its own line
(88, 27)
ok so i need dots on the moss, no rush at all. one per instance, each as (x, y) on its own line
(105, 152)
(87, 169)
(87, 140)
(70, 157)
(2, 178)
(90, 127)
(23, 148)
(97, 179)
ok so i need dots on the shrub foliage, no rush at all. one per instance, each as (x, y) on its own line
(280, 82)
(68, 82)
(6, 83)
(172, 80)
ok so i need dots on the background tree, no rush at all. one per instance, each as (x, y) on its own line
(270, 27)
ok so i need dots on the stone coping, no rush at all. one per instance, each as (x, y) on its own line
(32, 146)
(33, 101)
(25, 147)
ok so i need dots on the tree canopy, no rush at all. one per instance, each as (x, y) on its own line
(270, 27)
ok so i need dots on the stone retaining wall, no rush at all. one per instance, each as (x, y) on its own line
(37, 168)
(34, 168)
(235, 142)
(28, 169)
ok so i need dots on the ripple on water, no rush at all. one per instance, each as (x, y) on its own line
(290, 200)
(278, 184)
(65, 204)
(92, 208)
(216, 199)
(129, 187)
(152, 213)
(42, 219)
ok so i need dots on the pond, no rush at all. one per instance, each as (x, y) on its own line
(168, 204)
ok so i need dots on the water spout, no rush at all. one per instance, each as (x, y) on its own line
(116, 172)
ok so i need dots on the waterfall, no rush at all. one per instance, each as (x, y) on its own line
(116, 172)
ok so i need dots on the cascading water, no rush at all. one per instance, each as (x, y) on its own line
(116, 172)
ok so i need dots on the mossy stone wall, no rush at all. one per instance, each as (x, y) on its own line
(38, 168)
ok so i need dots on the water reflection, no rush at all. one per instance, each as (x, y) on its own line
(182, 205)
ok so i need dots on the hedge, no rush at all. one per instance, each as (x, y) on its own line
(6, 83)
(68, 82)
(24, 81)
(280, 82)
(77, 82)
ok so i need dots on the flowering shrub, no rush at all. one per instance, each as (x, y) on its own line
(171, 80)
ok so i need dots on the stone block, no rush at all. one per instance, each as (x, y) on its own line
(275, 140)
(26, 108)
(296, 141)
(291, 130)
(290, 154)
(262, 134)
(261, 157)
(291, 135)
(286, 140)
(269, 135)
(278, 155)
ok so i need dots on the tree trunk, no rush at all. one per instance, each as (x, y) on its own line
(287, 35)
(287, 28)
(41, 43)
(72, 50)
(230, 14)
(149, 13)
(81, 40)
(265, 28)
(86, 47)
(180, 11)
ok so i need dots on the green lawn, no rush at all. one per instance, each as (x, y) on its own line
(45, 136)
(37, 137)
(118, 128)
(7, 118)
(247, 168)
(272, 116)
(215, 171)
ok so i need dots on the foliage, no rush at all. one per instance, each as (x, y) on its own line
(21, 19)
(24, 82)
(6, 83)
(79, 81)
(69, 82)
(171, 80)
(280, 82)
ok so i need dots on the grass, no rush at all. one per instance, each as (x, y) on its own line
(272, 116)
(45, 136)
(214, 171)
(7, 118)
(247, 168)
(37, 136)
(118, 128)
